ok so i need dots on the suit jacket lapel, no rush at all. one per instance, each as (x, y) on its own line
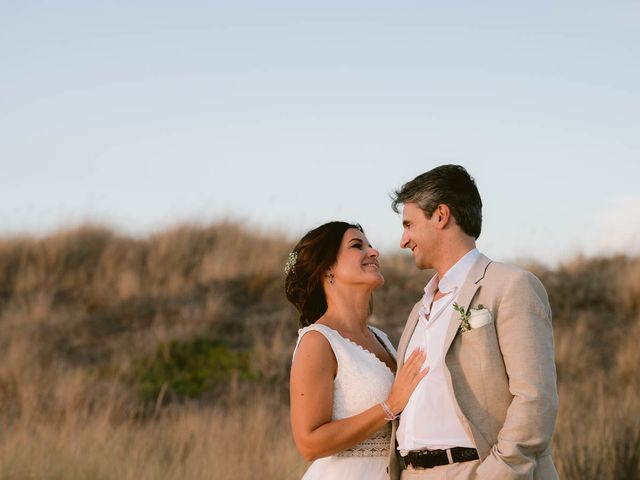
(407, 333)
(467, 292)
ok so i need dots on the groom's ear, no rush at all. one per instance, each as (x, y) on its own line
(442, 215)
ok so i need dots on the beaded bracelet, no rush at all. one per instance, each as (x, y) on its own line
(389, 415)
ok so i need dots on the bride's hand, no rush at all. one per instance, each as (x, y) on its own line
(406, 381)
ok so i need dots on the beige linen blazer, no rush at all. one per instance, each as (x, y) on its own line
(502, 375)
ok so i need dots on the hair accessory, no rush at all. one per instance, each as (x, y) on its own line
(389, 415)
(291, 262)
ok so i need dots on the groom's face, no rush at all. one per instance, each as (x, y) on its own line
(419, 235)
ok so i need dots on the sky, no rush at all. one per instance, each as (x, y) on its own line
(283, 115)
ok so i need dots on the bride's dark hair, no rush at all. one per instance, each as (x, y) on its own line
(316, 252)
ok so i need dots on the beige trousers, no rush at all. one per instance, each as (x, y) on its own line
(455, 471)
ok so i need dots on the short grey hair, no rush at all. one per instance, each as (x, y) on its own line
(450, 185)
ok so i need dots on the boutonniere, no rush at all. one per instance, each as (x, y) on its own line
(473, 317)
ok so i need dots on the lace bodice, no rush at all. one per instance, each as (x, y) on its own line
(362, 380)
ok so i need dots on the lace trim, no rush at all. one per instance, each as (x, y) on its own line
(376, 445)
(371, 354)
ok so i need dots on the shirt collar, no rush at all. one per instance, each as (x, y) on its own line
(432, 286)
(456, 275)
(453, 279)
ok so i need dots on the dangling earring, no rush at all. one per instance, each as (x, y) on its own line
(331, 280)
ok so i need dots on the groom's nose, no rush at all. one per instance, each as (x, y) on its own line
(404, 240)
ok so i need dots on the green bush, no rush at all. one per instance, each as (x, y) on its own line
(189, 369)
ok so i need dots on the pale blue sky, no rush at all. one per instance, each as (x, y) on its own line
(284, 115)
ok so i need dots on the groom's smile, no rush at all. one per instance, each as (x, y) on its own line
(419, 235)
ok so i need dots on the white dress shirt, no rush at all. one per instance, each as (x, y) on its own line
(429, 421)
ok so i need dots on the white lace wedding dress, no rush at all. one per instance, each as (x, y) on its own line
(362, 381)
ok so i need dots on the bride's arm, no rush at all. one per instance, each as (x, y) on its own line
(311, 388)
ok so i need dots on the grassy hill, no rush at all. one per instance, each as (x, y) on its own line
(168, 356)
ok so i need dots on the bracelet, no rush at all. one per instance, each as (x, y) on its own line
(389, 415)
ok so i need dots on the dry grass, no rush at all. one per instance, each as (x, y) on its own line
(81, 308)
(191, 443)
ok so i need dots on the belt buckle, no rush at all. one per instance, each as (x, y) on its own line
(449, 456)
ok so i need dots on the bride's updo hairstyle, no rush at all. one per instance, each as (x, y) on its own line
(308, 263)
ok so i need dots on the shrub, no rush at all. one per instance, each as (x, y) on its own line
(188, 369)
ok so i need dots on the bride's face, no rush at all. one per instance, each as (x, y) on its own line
(357, 261)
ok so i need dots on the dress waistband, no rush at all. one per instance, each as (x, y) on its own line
(377, 445)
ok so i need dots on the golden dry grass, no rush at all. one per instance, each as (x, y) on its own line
(81, 308)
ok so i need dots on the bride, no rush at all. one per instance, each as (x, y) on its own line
(342, 388)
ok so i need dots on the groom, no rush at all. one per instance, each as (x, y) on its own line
(487, 408)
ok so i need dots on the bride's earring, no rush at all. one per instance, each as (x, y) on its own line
(331, 279)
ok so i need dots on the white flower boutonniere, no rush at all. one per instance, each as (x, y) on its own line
(473, 317)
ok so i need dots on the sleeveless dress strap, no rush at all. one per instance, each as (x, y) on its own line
(335, 341)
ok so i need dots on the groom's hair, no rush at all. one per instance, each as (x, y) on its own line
(447, 184)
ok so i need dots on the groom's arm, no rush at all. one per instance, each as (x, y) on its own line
(525, 335)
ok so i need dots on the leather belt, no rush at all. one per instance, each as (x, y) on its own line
(434, 458)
